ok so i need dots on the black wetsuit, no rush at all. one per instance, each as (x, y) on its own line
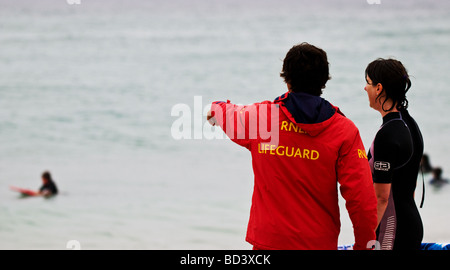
(395, 159)
(49, 187)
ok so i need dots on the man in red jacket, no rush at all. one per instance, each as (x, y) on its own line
(302, 147)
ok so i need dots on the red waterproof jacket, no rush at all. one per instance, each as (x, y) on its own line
(302, 147)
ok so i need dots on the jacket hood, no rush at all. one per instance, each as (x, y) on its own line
(312, 114)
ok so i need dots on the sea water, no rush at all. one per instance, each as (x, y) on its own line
(88, 90)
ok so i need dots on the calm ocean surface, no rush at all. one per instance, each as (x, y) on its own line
(87, 91)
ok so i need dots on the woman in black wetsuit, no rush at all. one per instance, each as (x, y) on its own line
(48, 187)
(394, 156)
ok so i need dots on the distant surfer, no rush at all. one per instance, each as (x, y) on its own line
(395, 156)
(48, 187)
(437, 181)
(425, 164)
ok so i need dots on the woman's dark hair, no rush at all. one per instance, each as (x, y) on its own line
(305, 68)
(394, 78)
(47, 176)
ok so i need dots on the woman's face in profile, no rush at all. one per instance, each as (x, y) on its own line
(372, 93)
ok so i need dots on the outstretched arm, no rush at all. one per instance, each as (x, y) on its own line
(232, 119)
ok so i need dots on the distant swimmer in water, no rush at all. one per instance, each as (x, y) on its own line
(48, 187)
(437, 181)
(425, 164)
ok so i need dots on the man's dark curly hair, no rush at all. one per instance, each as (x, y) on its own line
(305, 69)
